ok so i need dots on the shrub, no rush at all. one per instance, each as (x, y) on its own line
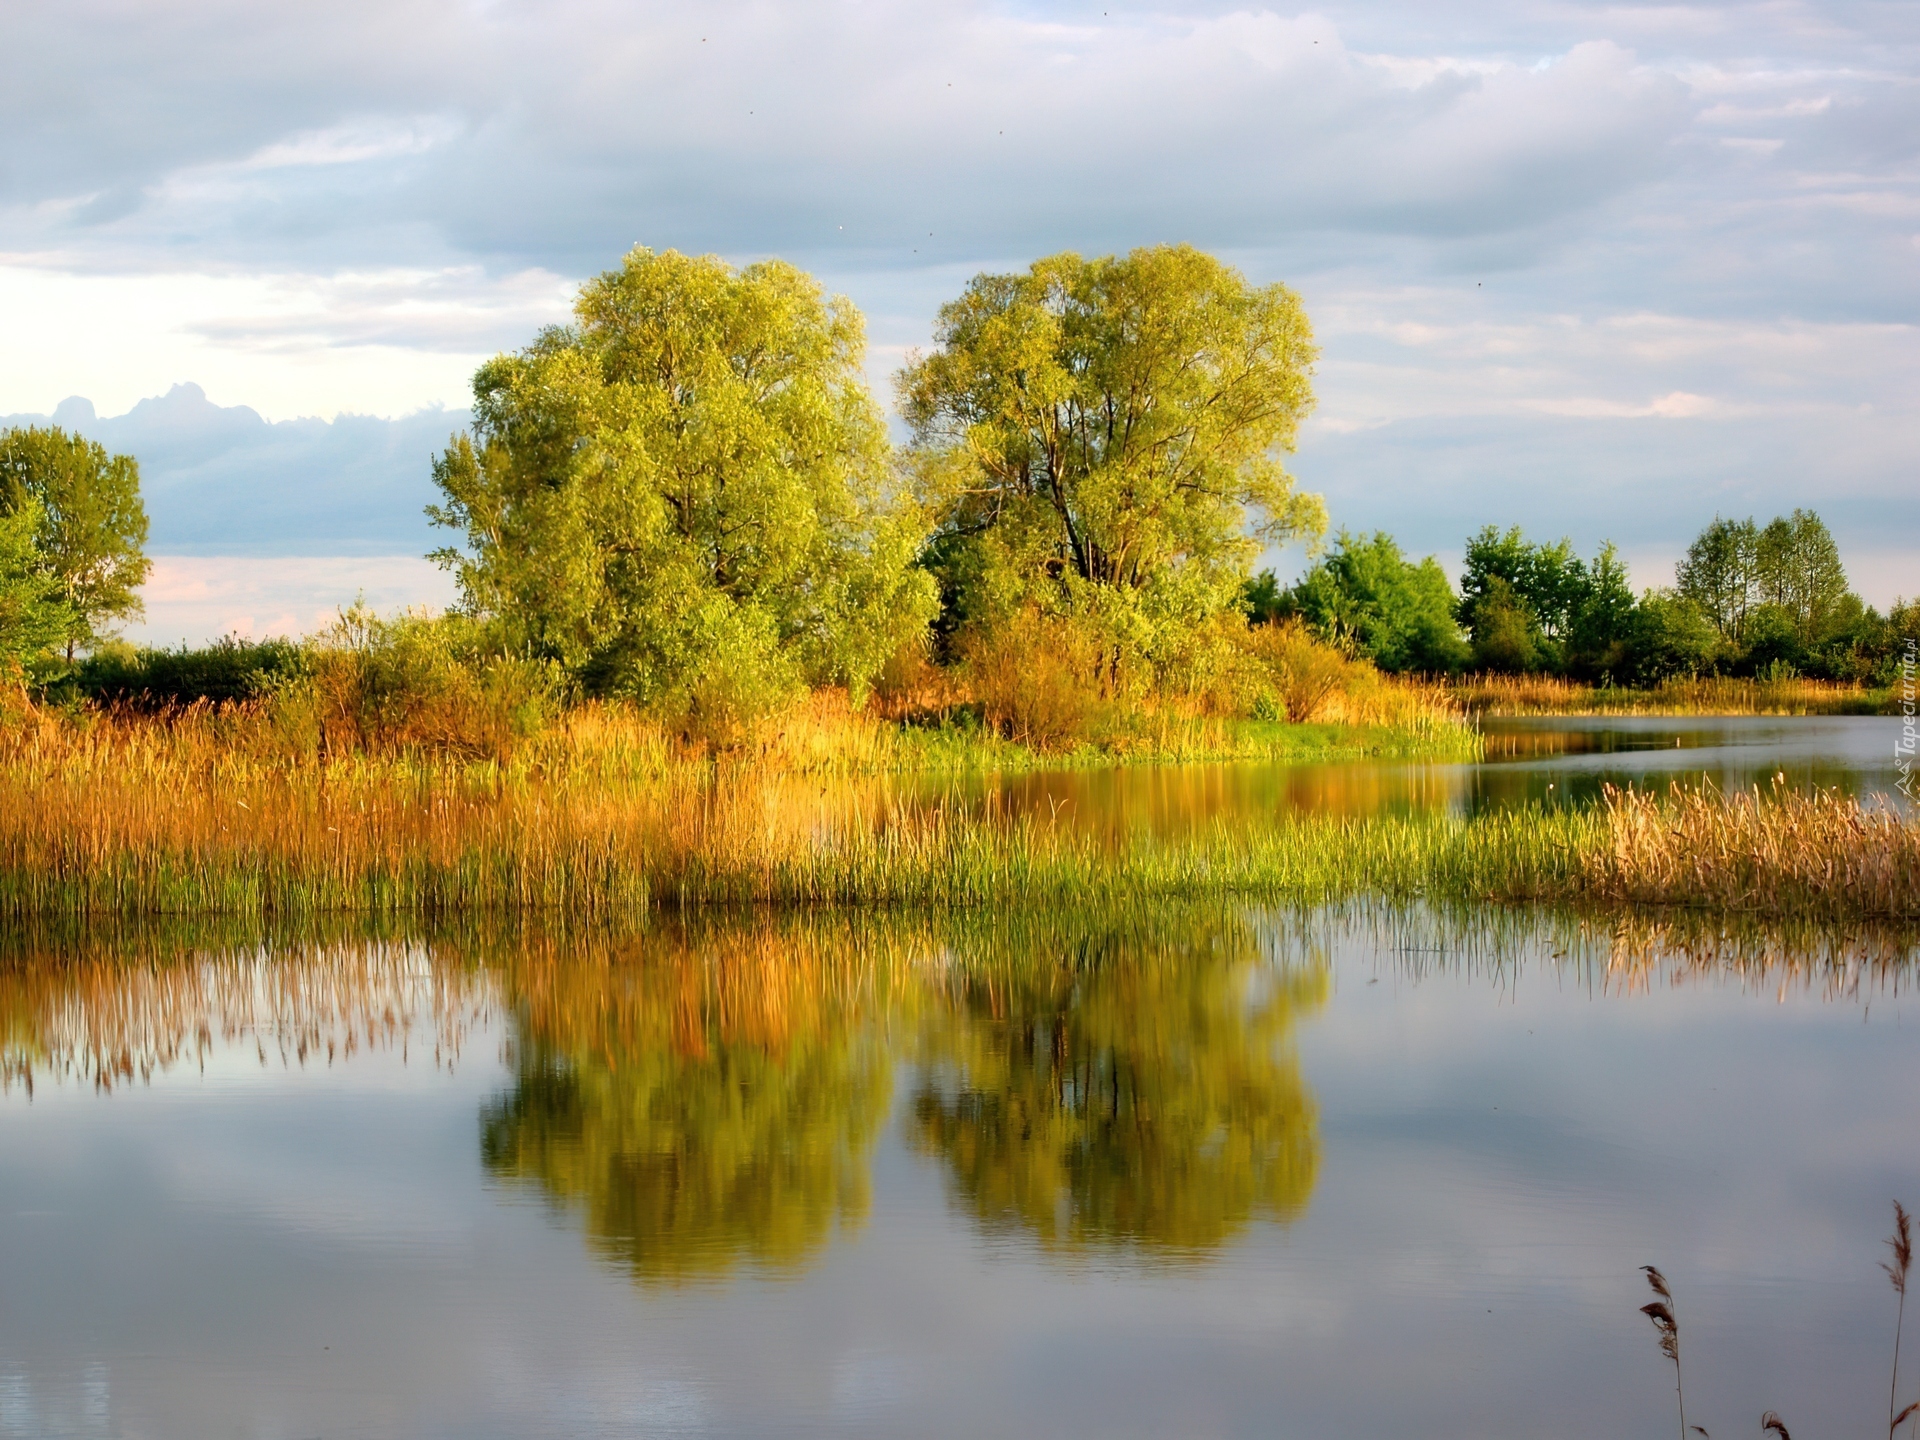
(1294, 675)
(230, 669)
(410, 683)
(1035, 679)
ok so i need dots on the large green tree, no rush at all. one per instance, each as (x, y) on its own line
(91, 529)
(685, 496)
(1105, 435)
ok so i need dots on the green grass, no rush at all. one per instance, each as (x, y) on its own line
(955, 748)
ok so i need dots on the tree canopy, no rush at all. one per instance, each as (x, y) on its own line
(1537, 606)
(34, 614)
(1106, 434)
(1397, 613)
(685, 496)
(91, 527)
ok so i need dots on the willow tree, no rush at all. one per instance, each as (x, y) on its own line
(684, 496)
(1105, 436)
(90, 529)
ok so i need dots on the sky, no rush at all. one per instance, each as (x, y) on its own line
(1598, 270)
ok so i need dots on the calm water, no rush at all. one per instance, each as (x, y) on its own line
(1549, 760)
(1203, 1172)
(1210, 1171)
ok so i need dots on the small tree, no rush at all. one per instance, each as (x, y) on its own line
(34, 613)
(92, 528)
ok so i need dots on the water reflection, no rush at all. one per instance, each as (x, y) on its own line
(1528, 761)
(701, 1098)
(1123, 1087)
(707, 1096)
(1470, 1157)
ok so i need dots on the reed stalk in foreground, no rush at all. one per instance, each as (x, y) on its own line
(1668, 1328)
(1660, 1312)
(1901, 1243)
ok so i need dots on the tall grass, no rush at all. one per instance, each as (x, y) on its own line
(1709, 695)
(202, 814)
(1793, 852)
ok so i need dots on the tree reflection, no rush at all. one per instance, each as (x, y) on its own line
(704, 1100)
(1124, 1088)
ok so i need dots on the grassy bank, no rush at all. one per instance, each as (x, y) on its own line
(1713, 695)
(605, 816)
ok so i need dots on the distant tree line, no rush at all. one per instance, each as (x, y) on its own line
(1746, 600)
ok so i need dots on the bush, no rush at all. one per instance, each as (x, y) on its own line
(410, 683)
(230, 669)
(1670, 635)
(1295, 675)
(1035, 679)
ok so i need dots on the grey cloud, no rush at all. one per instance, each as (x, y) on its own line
(220, 480)
(574, 130)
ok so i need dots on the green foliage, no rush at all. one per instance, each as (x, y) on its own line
(91, 529)
(1100, 438)
(1547, 581)
(685, 497)
(1778, 595)
(1718, 574)
(372, 685)
(34, 612)
(1364, 591)
(1669, 635)
(230, 669)
(1599, 638)
(1505, 629)
(1797, 568)
(1534, 607)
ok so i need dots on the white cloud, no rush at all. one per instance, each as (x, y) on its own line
(197, 598)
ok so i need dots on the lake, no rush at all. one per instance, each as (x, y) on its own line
(1530, 760)
(1218, 1170)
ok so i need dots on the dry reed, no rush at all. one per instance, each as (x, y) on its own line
(192, 816)
(1789, 852)
(1706, 695)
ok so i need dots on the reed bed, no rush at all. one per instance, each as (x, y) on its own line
(148, 819)
(1706, 695)
(1789, 852)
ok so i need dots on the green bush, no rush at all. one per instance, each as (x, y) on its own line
(411, 683)
(230, 669)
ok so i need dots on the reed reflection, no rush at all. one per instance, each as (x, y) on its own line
(1122, 1087)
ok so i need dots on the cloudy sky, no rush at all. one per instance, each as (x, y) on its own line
(1600, 270)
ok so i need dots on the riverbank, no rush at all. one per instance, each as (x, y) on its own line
(1514, 695)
